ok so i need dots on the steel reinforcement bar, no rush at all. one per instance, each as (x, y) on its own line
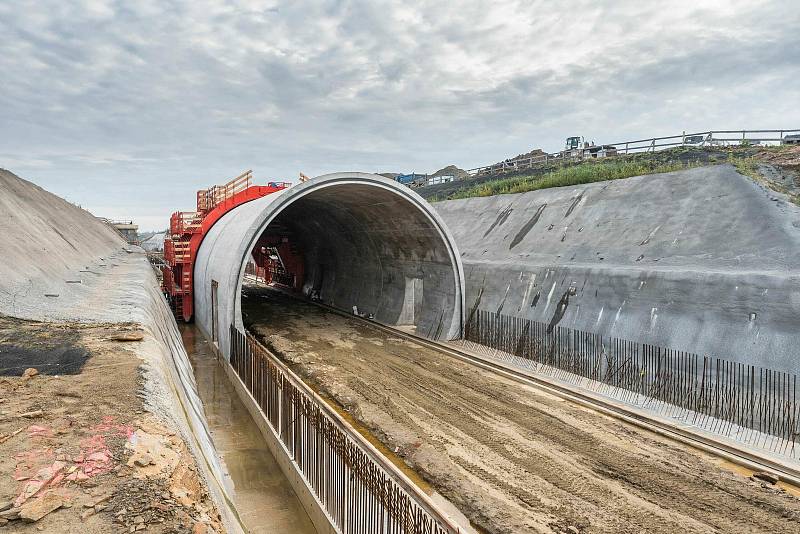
(360, 490)
(711, 393)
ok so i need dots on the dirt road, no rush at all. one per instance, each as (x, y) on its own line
(512, 458)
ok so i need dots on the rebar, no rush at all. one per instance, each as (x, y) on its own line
(731, 398)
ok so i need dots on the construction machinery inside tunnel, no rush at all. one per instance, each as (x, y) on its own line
(354, 241)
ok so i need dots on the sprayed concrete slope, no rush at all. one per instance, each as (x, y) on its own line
(703, 260)
(45, 242)
(59, 263)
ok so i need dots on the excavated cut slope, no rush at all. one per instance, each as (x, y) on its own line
(46, 242)
(703, 260)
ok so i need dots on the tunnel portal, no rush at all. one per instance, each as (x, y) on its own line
(358, 242)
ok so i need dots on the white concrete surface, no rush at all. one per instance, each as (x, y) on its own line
(703, 260)
(364, 238)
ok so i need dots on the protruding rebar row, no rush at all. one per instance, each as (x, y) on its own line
(724, 396)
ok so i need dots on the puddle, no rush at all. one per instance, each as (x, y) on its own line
(747, 473)
(263, 497)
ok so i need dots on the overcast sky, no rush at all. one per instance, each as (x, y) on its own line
(129, 107)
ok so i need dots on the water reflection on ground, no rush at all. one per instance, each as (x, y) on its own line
(263, 496)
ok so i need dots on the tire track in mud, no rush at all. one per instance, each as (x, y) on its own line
(512, 458)
(556, 475)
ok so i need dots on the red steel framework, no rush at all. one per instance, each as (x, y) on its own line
(188, 228)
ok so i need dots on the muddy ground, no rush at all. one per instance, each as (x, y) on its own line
(80, 446)
(511, 457)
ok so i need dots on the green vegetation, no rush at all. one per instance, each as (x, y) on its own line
(748, 166)
(746, 159)
(584, 173)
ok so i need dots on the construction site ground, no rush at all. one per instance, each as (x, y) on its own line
(78, 451)
(511, 457)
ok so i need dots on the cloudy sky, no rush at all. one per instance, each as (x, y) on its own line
(128, 107)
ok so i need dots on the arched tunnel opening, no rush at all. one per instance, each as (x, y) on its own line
(356, 242)
(363, 250)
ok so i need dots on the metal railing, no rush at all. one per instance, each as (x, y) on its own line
(361, 491)
(207, 199)
(182, 222)
(755, 404)
(651, 144)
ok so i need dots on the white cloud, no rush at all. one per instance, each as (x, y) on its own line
(182, 94)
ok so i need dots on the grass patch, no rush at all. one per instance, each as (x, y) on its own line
(583, 173)
(748, 166)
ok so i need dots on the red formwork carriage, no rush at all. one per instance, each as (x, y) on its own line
(188, 228)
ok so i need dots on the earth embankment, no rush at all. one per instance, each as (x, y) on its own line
(71, 282)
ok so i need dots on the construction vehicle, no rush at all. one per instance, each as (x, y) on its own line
(573, 148)
(577, 148)
(574, 142)
(187, 230)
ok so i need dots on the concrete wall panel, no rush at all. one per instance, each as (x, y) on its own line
(703, 260)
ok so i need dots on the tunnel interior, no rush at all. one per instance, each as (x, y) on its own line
(362, 249)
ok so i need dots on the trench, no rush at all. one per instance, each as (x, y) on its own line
(511, 457)
(259, 304)
(263, 497)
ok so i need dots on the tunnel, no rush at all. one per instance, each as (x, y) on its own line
(358, 242)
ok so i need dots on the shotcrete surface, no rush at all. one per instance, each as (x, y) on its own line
(46, 242)
(704, 260)
(511, 457)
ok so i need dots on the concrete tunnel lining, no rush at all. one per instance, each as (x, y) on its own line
(368, 241)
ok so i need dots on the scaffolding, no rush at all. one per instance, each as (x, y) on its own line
(188, 228)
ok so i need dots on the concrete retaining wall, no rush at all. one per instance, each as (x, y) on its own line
(703, 260)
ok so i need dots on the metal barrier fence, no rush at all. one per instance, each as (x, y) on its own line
(651, 144)
(359, 493)
(712, 393)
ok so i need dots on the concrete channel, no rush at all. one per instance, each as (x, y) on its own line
(263, 497)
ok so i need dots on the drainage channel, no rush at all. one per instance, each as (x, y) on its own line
(263, 496)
